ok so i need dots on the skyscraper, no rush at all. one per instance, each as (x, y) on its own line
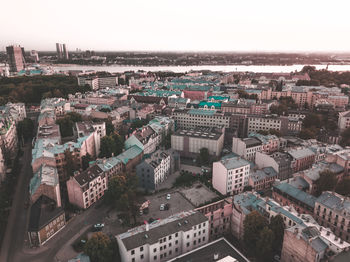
(15, 58)
(65, 52)
(59, 51)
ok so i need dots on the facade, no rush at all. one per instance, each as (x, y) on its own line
(344, 120)
(85, 188)
(230, 175)
(16, 59)
(153, 171)
(302, 245)
(303, 158)
(45, 220)
(333, 210)
(280, 162)
(193, 118)
(263, 178)
(145, 138)
(219, 217)
(8, 136)
(164, 239)
(189, 142)
(45, 182)
(287, 126)
(246, 147)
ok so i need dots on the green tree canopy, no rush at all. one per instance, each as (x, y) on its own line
(326, 182)
(252, 225)
(99, 248)
(265, 245)
(85, 161)
(277, 227)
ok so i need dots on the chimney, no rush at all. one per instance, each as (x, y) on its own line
(216, 256)
(147, 225)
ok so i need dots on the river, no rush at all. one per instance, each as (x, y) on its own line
(181, 69)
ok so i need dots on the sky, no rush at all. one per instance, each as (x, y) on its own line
(177, 25)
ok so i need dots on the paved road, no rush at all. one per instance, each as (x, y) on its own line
(16, 245)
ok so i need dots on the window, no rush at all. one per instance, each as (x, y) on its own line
(188, 236)
(141, 248)
(154, 250)
(188, 244)
(132, 252)
(133, 259)
(176, 242)
(176, 234)
(141, 256)
(194, 242)
(155, 258)
(203, 238)
(169, 237)
(169, 244)
(176, 250)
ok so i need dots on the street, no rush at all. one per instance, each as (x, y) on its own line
(15, 246)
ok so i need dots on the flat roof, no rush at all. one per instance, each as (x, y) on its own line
(220, 247)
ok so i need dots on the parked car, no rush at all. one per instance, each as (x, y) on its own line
(168, 196)
(162, 207)
(167, 206)
(98, 227)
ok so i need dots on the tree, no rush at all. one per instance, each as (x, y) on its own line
(252, 225)
(85, 161)
(25, 129)
(107, 146)
(264, 245)
(119, 144)
(99, 248)
(203, 158)
(312, 120)
(308, 133)
(308, 69)
(109, 127)
(345, 137)
(121, 194)
(343, 187)
(326, 182)
(277, 227)
(71, 163)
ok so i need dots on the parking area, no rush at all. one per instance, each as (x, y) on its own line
(177, 203)
(198, 194)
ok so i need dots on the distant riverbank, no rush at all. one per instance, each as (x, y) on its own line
(182, 69)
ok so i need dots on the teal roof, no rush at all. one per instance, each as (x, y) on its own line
(129, 154)
(133, 141)
(210, 104)
(219, 98)
(106, 164)
(296, 193)
(201, 112)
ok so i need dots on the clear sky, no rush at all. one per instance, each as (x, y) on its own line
(179, 25)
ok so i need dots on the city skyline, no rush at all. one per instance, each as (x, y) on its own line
(256, 26)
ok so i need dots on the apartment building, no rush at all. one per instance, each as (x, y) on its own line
(281, 162)
(45, 220)
(219, 216)
(164, 239)
(145, 138)
(192, 118)
(263, 178)
(288, 195)
(230, 174)
(302, 158)
(333, 210)
(153, 171)
(96, 129)
(246, 147)
(287, 126)
(45, 182)
(85, 188)
(344, 120)
(8, 136)
(189, 142)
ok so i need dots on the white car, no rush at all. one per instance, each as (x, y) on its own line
(162, 207)
(168, 196)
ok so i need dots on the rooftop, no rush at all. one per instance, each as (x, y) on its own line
(296, 193)
(42, 212)
(139, 236)
(201, 132)
(206, 253)
(234, 162)
(88, 175)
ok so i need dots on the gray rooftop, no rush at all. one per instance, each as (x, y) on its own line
(234, 162)
(183, 221)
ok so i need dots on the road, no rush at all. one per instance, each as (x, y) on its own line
(15, 246)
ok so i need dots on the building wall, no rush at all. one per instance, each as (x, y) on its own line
(296, 249)
(52, 192)
(220, 178)
(48, 231)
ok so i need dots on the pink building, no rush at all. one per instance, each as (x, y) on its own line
(85, 188)
(303, 158)
(219, 217)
